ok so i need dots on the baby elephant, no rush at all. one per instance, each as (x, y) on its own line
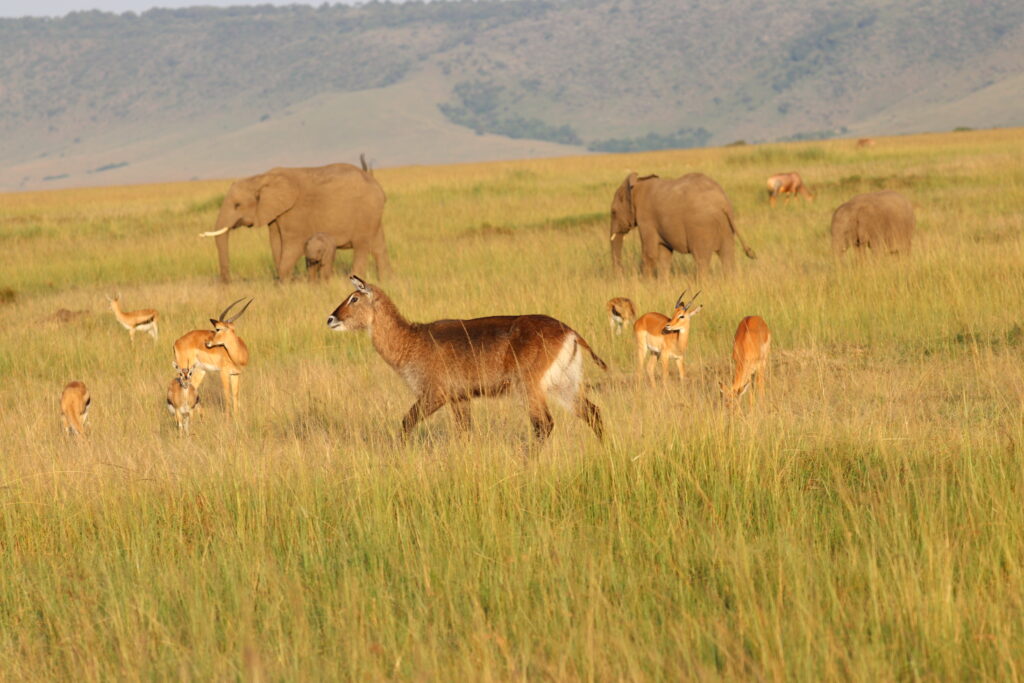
(880, 221)
(320, 251)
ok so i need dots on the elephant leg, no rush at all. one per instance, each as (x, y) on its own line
(290, 255)
(312, 269)
(380, 257)
(275, 243)
(359, 260)
(327, 263)
(664, 263)
(703, 264)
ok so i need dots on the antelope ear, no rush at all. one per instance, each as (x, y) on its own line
(696, 310)
(359, 284)
(175, 364)
(213, 322)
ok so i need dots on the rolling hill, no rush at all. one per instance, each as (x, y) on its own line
(98, 98)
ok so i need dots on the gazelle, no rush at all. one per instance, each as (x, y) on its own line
(658, 336)
(621, 312)
(750, 352)
(218, 350)
(452, 361)
(183, 397)
(74, 407)
(789, 184)
(865, 142)
(143, 320)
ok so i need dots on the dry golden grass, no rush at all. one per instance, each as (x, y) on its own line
(865, 521)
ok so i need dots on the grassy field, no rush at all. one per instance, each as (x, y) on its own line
(865, 521)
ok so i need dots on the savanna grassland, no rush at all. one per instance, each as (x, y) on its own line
(864, 521)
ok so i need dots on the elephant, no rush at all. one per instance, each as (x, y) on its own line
(320, 251)
(340, 200)
(689, 214)
(881, 221)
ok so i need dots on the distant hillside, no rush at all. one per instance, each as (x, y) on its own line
(94, 98)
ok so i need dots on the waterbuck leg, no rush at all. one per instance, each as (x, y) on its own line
(460, 410)
(423, 408)
(540, 417)
(589, 413)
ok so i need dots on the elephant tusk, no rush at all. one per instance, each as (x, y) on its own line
(214, 233)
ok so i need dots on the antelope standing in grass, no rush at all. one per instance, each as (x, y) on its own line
(658, 336)
(143, 320)
(452, 361)
(74, 407)
(183, 397)
(621, 312)
(789, 184)
(750, 352)
(865, 142)
(218, 350)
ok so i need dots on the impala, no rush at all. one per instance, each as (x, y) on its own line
(449, 362)
(183, 397)
(658, 336)
(74, 408)
(620, 312)
(218, 350)
(750, 352)
(143, 320)
(789, 184)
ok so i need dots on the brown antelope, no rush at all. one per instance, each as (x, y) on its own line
(183, 397)
(789, 184)
(866, 142)
(452, 361)
(750, 352)
(658, 336)
(218, 350)
(143, 320)
(74, 408)
(620, 312)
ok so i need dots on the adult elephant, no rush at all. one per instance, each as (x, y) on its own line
(341, 200)
(880, 221)
(690, 214)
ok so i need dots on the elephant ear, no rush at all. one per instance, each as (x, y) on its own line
(276, 195)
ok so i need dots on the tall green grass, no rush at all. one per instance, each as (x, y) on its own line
(864, 521)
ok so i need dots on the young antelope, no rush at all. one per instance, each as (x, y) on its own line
(143, 320)
(621, 312)
(74, 408)
(183, 397)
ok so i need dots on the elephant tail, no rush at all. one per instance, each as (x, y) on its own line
(362, 162)
(746, 250)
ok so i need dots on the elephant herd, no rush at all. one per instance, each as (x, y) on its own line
(312, 212)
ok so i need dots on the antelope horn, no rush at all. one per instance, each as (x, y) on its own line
(694, 298)
(679, 301)
(221, 316)
(239, 314)
(214, 233)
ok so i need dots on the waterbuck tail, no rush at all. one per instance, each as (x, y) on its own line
(597, 359)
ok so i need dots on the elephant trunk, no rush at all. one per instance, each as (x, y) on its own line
(222, 255)
(617, 251)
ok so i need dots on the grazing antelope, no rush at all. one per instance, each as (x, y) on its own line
(866, 142)
(789, 184)
(750, 352)
(452, 361)
(620, 312)
(183, 397)
(218, 350)
(659, 336)
(143, 320)
(74, 407)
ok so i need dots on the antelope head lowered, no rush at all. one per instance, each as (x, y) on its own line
(449, 362)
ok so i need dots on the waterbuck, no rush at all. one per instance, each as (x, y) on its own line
(452, 361)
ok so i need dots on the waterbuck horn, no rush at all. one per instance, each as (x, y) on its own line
(679, 301)
(238, 315)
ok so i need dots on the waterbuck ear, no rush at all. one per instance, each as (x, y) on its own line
(359, 284)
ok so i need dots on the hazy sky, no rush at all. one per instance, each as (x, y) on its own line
(56, 8)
